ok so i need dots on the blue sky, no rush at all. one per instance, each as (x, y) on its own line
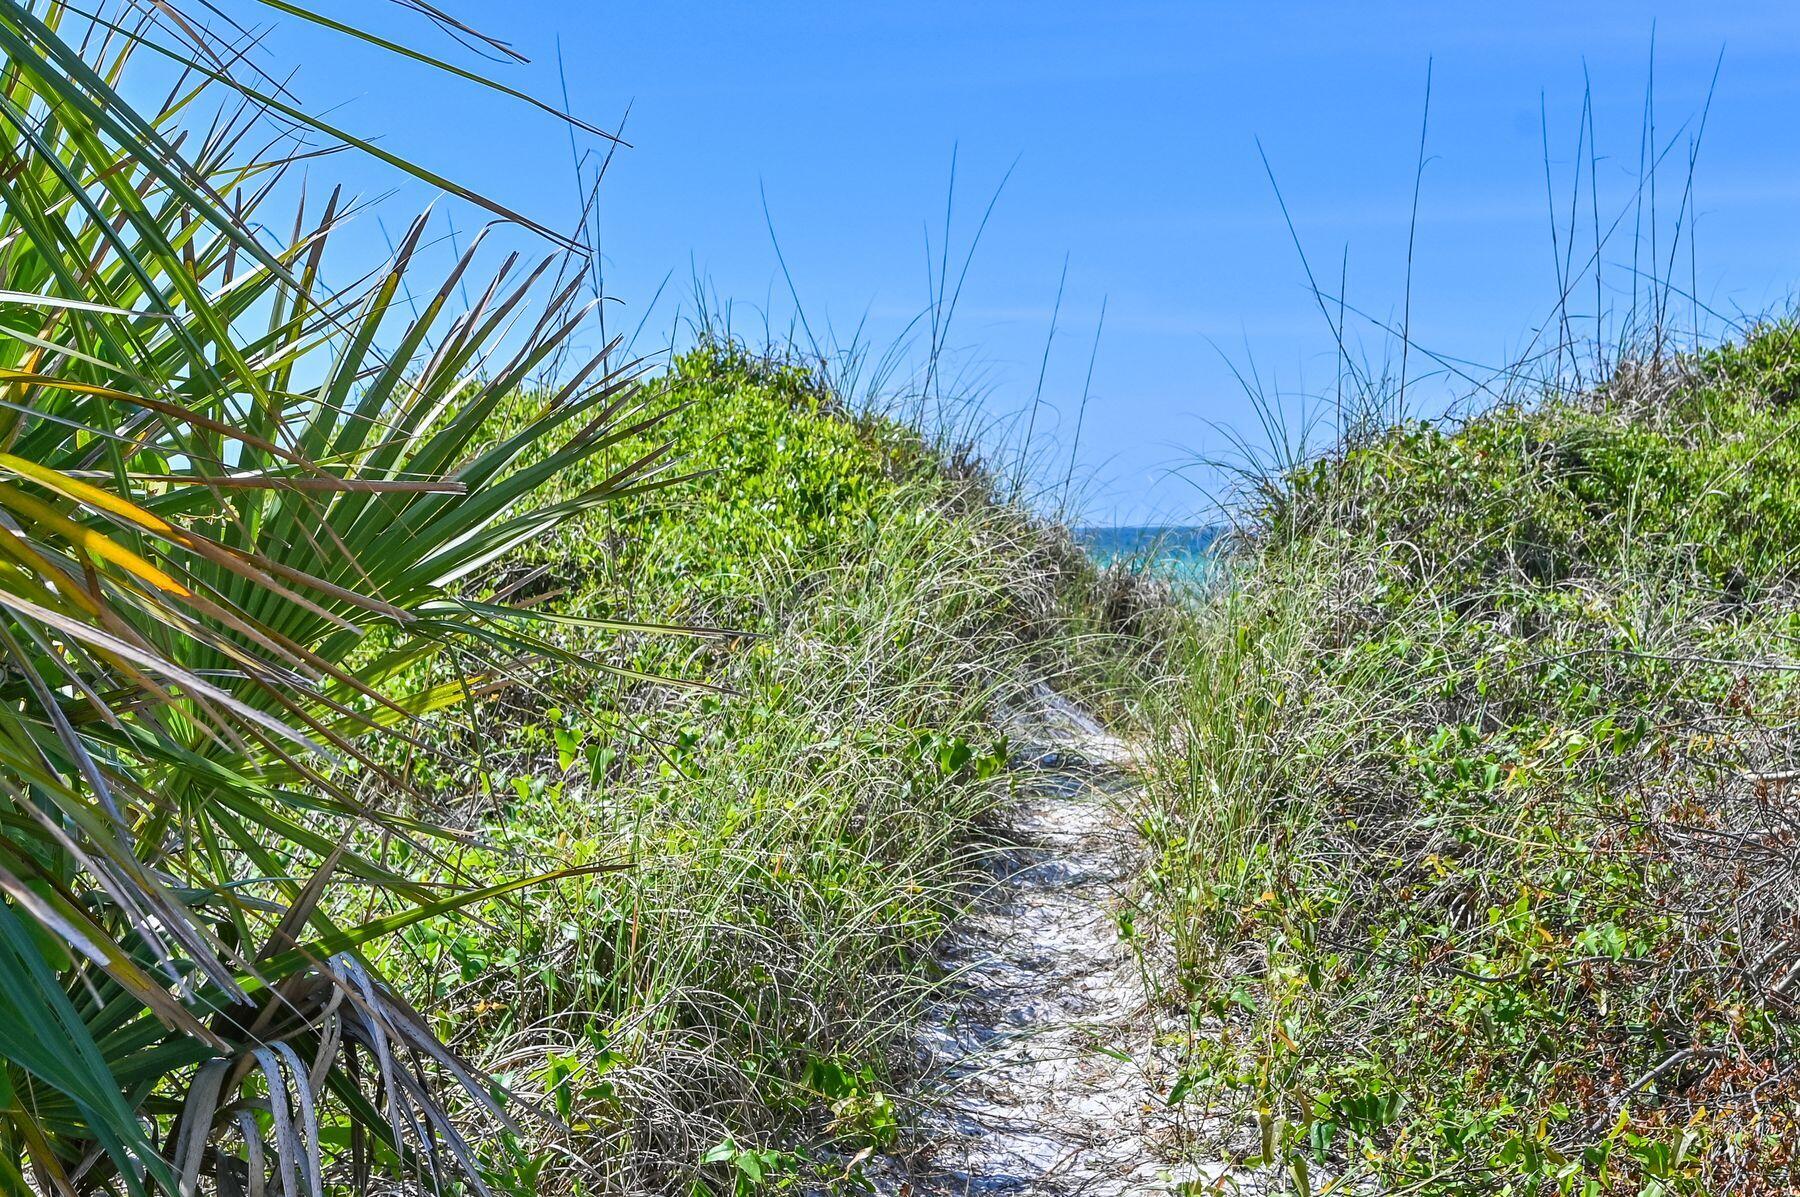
(1130, 130)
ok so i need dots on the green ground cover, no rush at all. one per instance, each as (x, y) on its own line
(1473, 795)
(792, 847)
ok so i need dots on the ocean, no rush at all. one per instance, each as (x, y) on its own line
(1175, 551)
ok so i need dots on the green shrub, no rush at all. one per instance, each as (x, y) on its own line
(720, 1012)
(1472, 798)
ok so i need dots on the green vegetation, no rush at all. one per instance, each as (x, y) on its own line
(423, 757)
(411, 767)
(244, 516)
(722, 1008)
(1472, 789)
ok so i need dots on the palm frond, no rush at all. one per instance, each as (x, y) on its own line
(236, 505)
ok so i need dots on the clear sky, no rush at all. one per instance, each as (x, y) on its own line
(1130, 130)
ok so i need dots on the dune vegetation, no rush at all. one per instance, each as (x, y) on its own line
(240, 507)
(1472, 794)
(417, 769)
(436, 759)
(790, 835)
(359, 771)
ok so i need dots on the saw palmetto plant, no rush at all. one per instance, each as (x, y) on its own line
(239, 508)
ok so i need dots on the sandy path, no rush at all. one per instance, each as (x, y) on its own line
(1037, 1069)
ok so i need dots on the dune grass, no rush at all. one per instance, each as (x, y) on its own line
(335, 731)
(325, 630)
(718, 1014)
(1472, 794)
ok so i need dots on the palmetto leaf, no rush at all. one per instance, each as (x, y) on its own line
(234, 507)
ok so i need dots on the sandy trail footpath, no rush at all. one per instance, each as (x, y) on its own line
(1038, 1072)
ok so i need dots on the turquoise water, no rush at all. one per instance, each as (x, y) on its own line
(1172, 550)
